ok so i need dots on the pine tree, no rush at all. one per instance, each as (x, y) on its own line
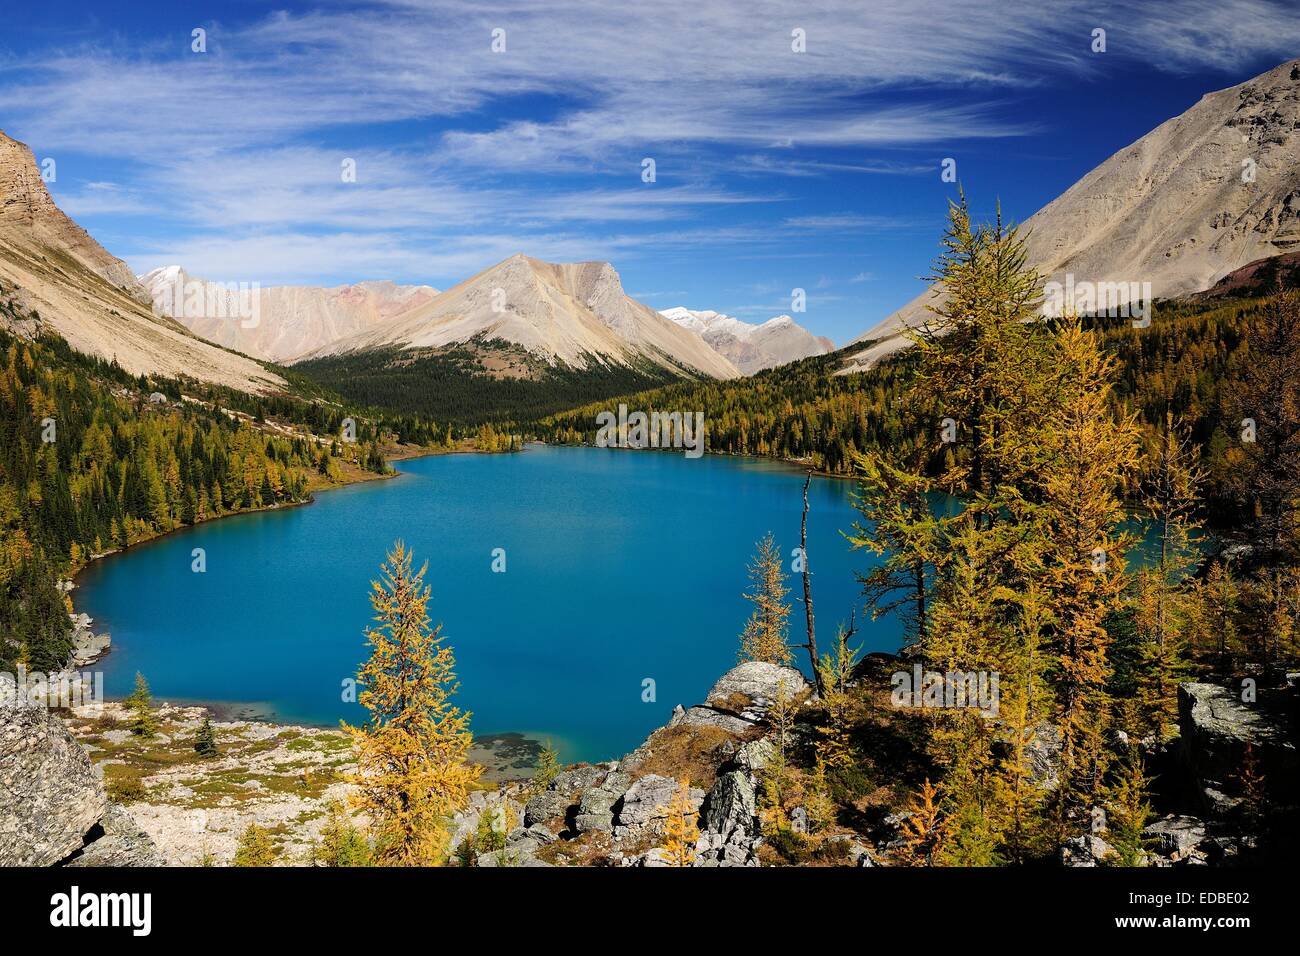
(255, 848)
(140, 703)
(413, 771)
(205, 741)
(681, 827)
(764, 638)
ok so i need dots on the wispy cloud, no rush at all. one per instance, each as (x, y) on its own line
(236, 152)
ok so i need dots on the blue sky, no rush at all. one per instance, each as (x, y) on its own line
(775, 169)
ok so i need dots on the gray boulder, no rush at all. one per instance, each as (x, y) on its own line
(1176, 835)
(545, 806)
(708, 717)
(587, 822)
(756, 680)
(731, 805)
(121, 843)
(1085, 850)
(50, 797)
(1216, 725)
(754, 755)
(648, 799)
(576, 779)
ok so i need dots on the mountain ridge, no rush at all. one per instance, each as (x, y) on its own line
(1203, 194)
(56, 269)
(562, 313)
(292, 320)
(752, 348)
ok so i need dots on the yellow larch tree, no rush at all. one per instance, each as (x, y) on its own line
(764, 637)
(413, 770)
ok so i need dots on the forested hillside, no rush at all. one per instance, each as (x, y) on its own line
(1187, 363)
(93, 459)
(473, 384)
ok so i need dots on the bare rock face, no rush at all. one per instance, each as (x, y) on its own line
(752, 348)
(1216, 725)
(25, 204)
(571, 313)
(1198, 197)
(52, 268)
(50, 797)
(291, 320)
(117, 840)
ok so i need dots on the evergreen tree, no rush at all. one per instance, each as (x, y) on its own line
(1129, 812)
(413, 771)
(1163, 617)
(342, 842)
(205, 741)
(140, 703)
(1089, 454)
(924, 829)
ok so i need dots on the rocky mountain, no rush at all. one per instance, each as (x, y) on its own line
(50, 265)
(574, 314)
(290, 320)
(1198, 197)
(752, 348)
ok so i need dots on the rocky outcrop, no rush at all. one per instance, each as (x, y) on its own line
(50, 797)
(117, 840)
(646, 801)
(52, 804)
(52, 267)
(757, 681)
(1085, 850)
(1215, 727)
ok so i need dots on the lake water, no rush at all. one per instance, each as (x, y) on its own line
(620, 566)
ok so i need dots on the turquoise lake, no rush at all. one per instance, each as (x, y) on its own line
(620, 566)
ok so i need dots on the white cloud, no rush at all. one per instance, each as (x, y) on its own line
(237, 151)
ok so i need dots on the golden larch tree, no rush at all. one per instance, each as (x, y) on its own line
(764, 637)
(413, 770)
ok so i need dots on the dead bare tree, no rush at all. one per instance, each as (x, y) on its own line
(807, 591)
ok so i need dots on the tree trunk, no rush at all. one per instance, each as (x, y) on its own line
(807, 591)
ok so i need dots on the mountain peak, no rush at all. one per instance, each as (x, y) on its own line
(751, 348)
(1201, 195)
(570, 313)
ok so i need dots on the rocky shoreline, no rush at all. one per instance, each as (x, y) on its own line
(85, 791)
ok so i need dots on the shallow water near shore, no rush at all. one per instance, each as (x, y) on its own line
(620, 567)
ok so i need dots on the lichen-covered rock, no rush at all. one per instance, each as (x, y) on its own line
(1085, 850)
(1176, 835)
(731, 805)
(708, 717)
(648, 800)
(754, 755)
(117, 840)
(587, 822)
(576, 779)
(545, 806)
(1216, 726)
(50, 797)
(756, 681)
